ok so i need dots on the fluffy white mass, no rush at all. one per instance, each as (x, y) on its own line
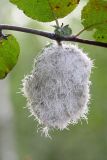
(57, 89)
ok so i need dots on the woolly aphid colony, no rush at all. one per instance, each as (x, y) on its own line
(57, 90)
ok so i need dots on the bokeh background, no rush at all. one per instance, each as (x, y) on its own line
(19, 139)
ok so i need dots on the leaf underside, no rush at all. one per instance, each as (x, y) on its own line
(94, 14)
(9, 52)
(46, 10)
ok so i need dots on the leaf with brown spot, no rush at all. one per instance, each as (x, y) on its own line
(94, 14)
(41, 10)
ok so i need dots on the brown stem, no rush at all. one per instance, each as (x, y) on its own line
(52, 36)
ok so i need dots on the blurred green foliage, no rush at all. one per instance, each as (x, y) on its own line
(84, 141)
(9, 53)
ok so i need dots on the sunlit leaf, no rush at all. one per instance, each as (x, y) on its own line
(94, 15)
(46, 10)
(9, 52)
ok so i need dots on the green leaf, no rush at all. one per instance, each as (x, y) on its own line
(94, 14)
(9, 52)
(46, 10)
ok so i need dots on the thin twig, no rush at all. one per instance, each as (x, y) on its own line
(89, 27)
(52, 36)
